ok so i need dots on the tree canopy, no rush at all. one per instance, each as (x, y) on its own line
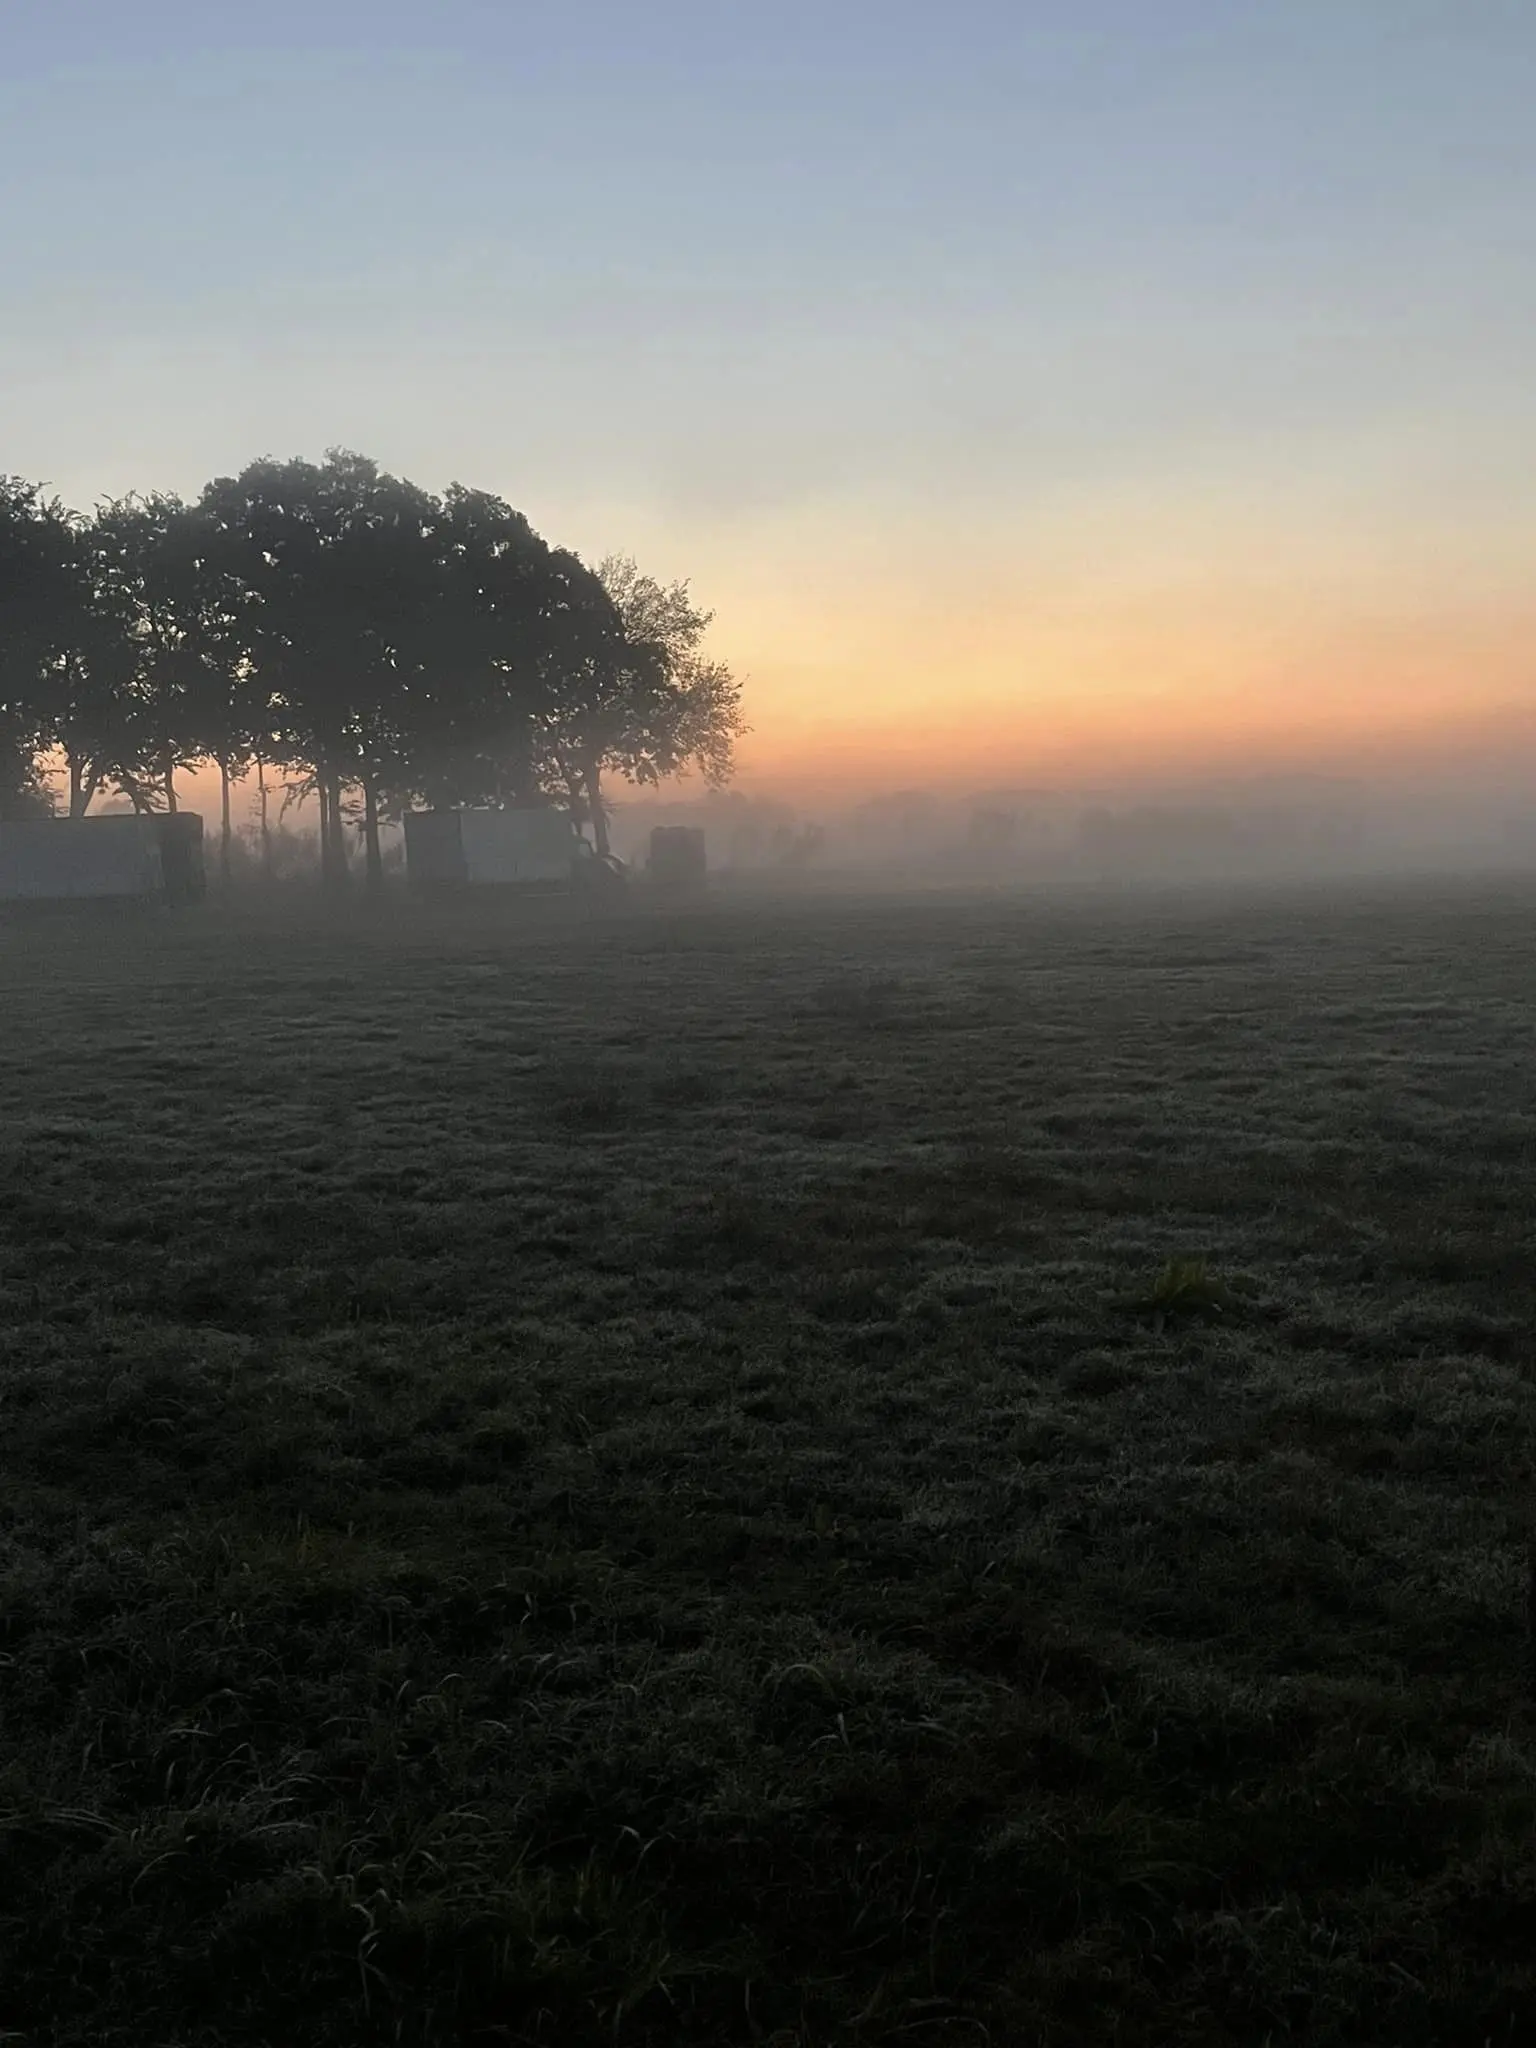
(377, 645)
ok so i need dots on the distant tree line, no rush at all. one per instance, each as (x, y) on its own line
(345, 635)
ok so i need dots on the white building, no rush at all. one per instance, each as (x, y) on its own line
(157, 858)
(479, 848)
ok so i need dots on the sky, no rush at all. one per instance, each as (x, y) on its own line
(1036, 390)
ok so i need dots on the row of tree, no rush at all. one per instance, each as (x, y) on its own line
(345, 635)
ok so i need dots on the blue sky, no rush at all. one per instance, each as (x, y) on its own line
(845, 309)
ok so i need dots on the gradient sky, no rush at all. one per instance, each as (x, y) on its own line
(1037, 389)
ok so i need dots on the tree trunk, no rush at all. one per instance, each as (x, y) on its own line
(266, 829)
(333, 851)
(339, 870)
(595, 811)
(226, 836)
(84, 781)
(170, 784)
(371, 838)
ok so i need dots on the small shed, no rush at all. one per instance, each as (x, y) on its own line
(677, 857)
(468, 849)
(145, 858)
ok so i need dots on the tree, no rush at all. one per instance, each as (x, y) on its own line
(337, 571)
(528, 659)
(144, 578)
(640, 701)
(211, 696)
(698, 720)
(25, 598)
(590, 683)
(375, 645)
(23, 793)
(80, 657)
(475, 694)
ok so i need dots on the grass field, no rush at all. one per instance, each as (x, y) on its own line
(646, 1479)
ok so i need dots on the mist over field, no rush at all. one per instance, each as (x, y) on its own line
(1468, 817)
(1253, 828)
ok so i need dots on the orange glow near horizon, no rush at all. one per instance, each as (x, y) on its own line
(1105, 643)
(1172, 628)
(1076, 688)
(1108, 708)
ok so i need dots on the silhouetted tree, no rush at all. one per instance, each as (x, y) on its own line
(26, 598)
(373, 645)
(141, 565)
(480, 685)
(87, 703)
(200, 691)
(336, 567)
(656, 707)
(590, 684)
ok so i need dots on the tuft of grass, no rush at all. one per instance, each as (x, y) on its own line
(1185, 1289)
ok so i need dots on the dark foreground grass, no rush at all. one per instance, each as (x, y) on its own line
(658, 1480)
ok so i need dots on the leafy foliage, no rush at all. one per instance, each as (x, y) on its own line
(375, 644)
